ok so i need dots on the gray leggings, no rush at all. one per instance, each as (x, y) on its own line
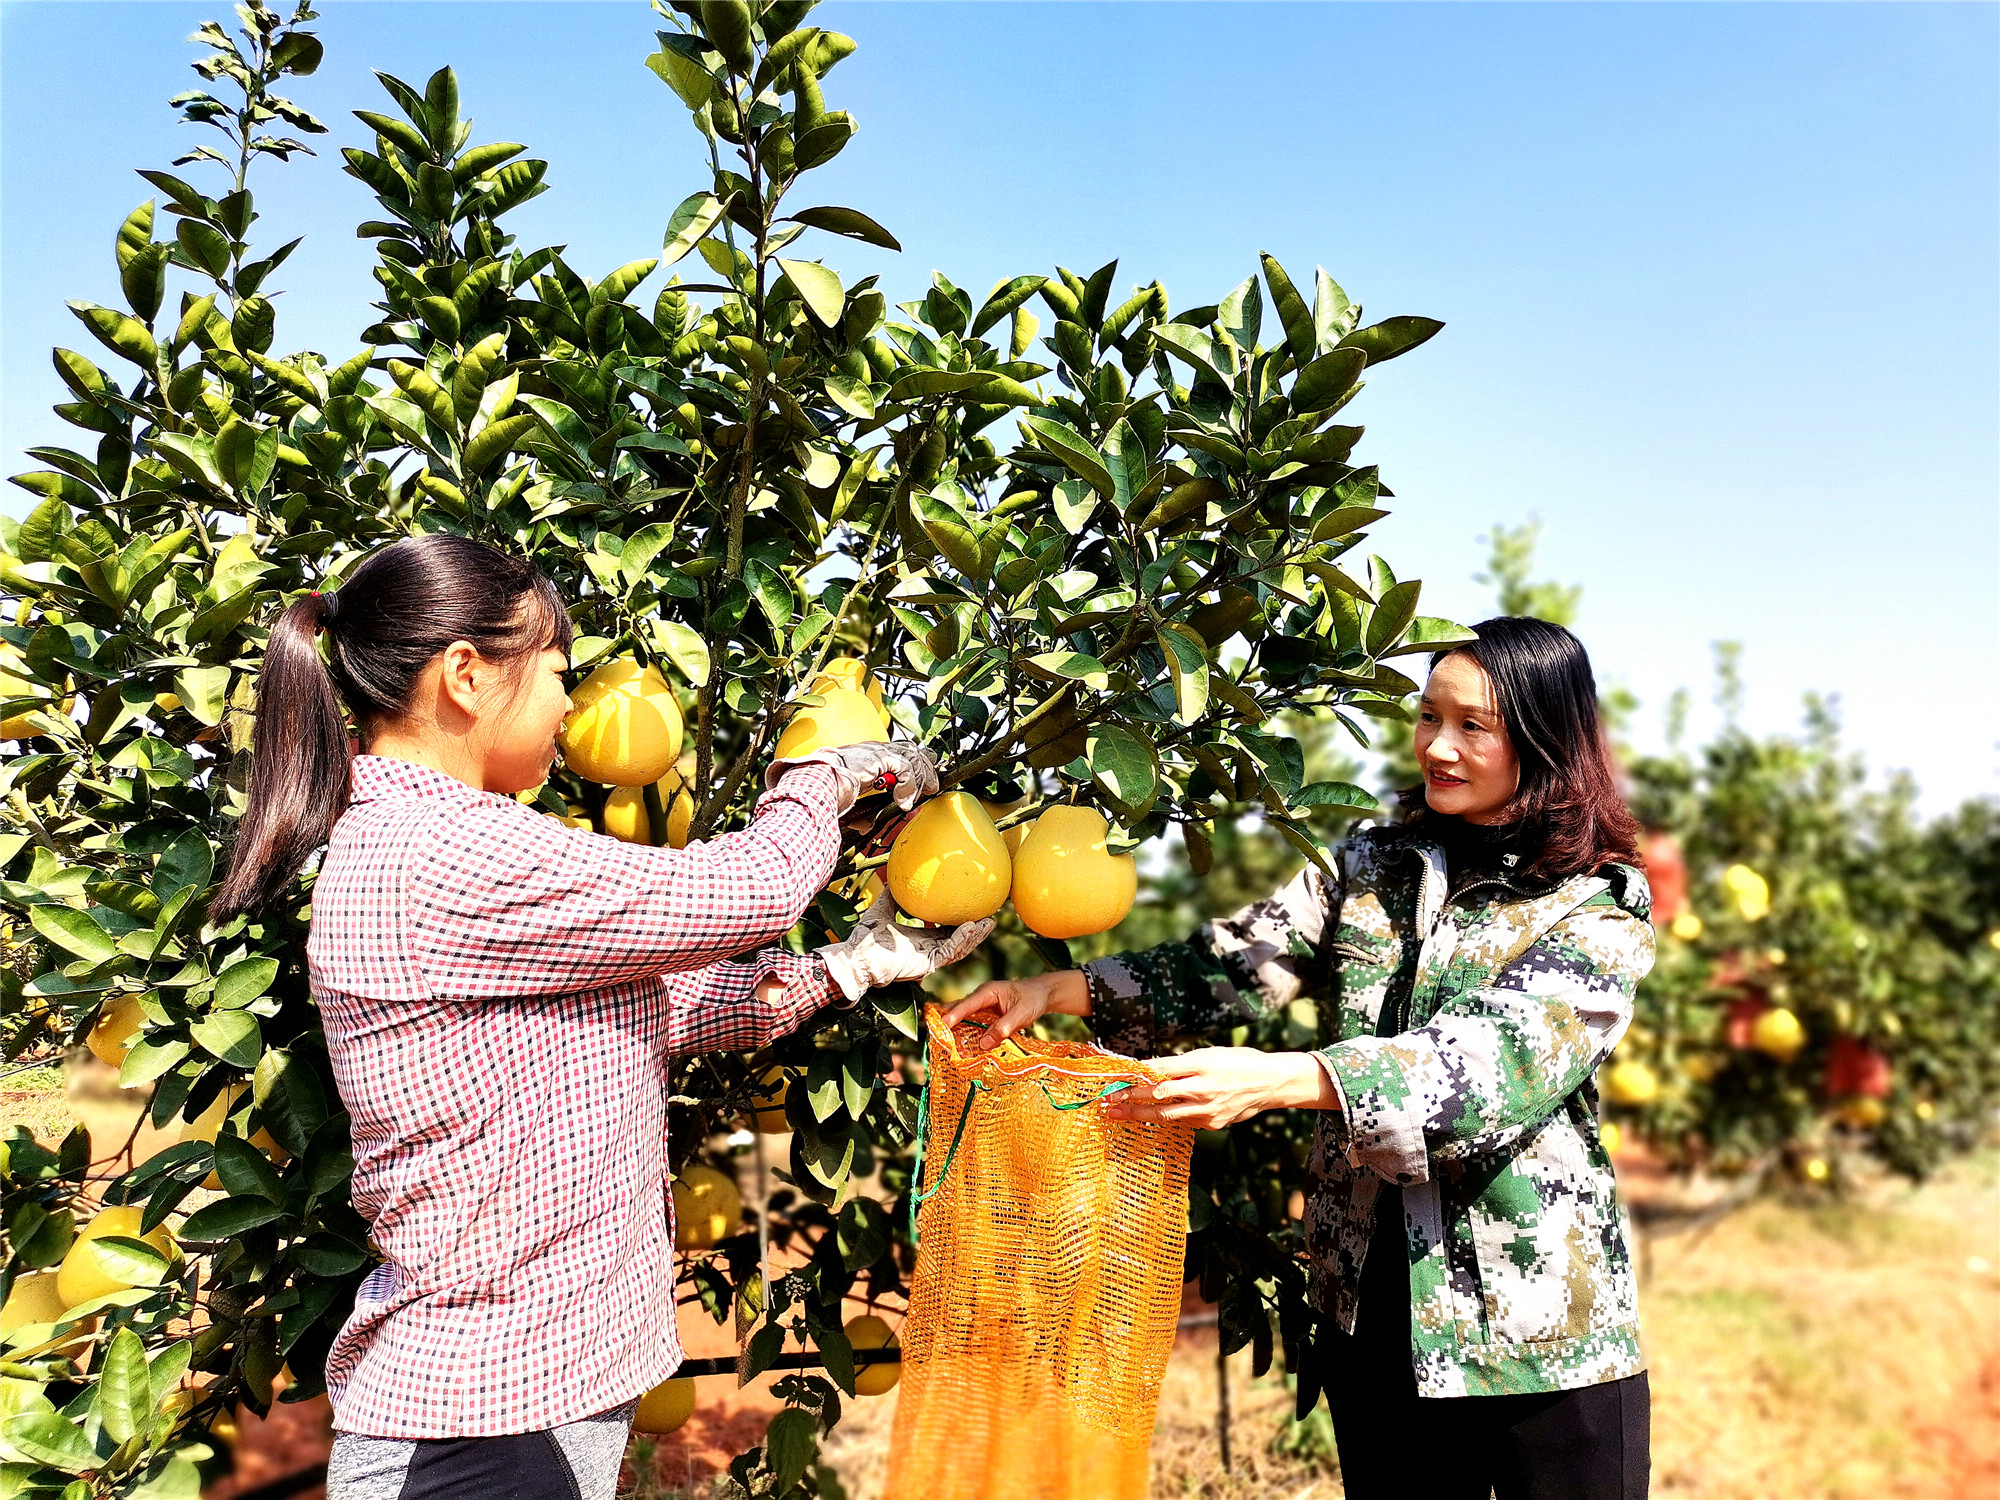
(577, 1461)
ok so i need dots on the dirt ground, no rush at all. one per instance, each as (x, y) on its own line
(1799, 1350)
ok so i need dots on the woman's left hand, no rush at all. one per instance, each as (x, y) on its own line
(1213, 1087)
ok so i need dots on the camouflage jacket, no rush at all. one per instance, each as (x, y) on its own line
(1467, 1025)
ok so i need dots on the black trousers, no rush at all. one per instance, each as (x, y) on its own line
(1588, 1444)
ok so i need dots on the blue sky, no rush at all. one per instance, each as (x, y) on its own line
(1720, 280)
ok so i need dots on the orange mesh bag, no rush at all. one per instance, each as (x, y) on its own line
(1048, 1281)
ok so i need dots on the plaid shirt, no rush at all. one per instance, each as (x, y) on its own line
(501, 994)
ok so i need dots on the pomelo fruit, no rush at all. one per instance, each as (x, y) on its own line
(624, 726)
(871, 1332)
(625, 815)
(1066, 883)
(1631, 1083)
(843, 717)
(707, 1208)
(1012, 836)
(1751, 890)
(117, 1023)
(851, 672)
(1777, 1033)
(665, 1407)
(949, 864)
(81, 1278)
(767, 1105)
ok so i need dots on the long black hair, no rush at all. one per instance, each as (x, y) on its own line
(1571, 816)
(403, 605)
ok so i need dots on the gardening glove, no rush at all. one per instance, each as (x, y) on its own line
(906, 772)
(880, 950)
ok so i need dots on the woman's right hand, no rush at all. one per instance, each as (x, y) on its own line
(1011, 1005)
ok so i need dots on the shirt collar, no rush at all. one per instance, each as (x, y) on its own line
(371, 777)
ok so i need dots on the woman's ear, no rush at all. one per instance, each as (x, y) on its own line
(462, 672)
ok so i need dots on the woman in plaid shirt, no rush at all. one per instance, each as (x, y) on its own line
(501, 994)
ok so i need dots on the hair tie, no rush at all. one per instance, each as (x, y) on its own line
(329, 607)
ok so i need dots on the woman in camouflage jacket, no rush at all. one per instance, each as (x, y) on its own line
(1470, 1267)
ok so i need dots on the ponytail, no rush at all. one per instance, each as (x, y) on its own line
(399, 609)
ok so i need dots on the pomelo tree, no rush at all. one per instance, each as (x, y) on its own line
(1092, 545)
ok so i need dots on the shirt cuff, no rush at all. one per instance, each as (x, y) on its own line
(1120, 1015)
(808, 985)
(1376, 1128)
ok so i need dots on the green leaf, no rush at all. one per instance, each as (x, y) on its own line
(917, 384)
(726, 23)
(124, 1389)
(228, 1218)
(244, 1170)
(1124, 766)
(73, 931)
(818, 287)
(848, 221)
(1348, 518)
(479, 367)
(232, 1035)
(1394, 611)
(50, 1439)
(683, 75)
(495, 440)
(1301, 839)
(1074, 452)
(1429, 633)
(441, 106)
(697, 214)
(1005, 297)
(1292, 311)
(135, 235)
(1241, 314)
(243, 982)
(1073, 501)
(1187, 664)
(1197, 349)
(1391, 337)
(134, 1262)
(685, 648)
(793, 1441)
(1327, 379)
(289, 1098)
(1074, 666)
(122, 334)
(204, 692)
(1333, 315)
(1333, 794)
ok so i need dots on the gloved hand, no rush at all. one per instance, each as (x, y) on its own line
(880, 950)
(907, 772)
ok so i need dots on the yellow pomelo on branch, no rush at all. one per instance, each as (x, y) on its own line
(625, 814)
(664, 1408)
(707, 1208)
(117, 1023)
(34, 1298)
(851, 672)
(1777, 1033)
(1066, 883)
(1612, 1136)
(949, 864)
(1751, 890)
(871, 1332)
(767, 1105)
(1687, 927)
(624, 726)
(843, 717)
(81, 1278)
(1631, 1083)
(1012, 836)
(207, 1125)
